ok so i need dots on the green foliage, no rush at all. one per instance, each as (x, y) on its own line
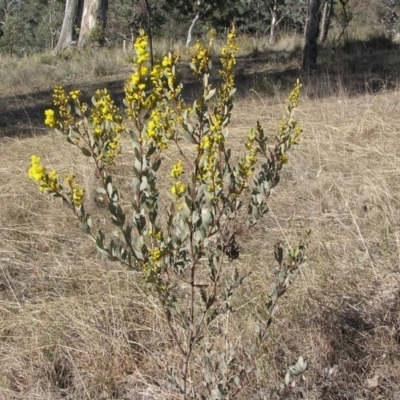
(127, 17)
(295, 15)
(250, 16)
(28, 26)
(389, 15)
(183, 240)
(34, 25)
(96, 35)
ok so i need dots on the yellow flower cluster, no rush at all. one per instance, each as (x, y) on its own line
(144, 90)
(283, 159)
(209, 169)
(135, 89)
(228, 52)
(163, 84)
(289, 128)
(216, 127)
(107, 125)
(50, 118)
(167, 83)
(77, 196)
(155, 234)
(201, 58)
(205, 142)
(61, 100)
(156, 75)
(48, 182)
(113, 150)
(288, 125)
(75, 94)
(36, 171)
(178, 188)
(157, 128)
(297, 131)
(228, 61)
(104, 111)
(141, 48)
(210, 145)
(210, 172)
(247, 163)
(152, 268)
(76, 191)
(295, 94)
(177, 170)
(212, 140)
(155, 255)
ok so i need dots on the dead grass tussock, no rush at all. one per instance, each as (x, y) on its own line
(75, 326)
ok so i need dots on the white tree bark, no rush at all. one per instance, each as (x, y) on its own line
(94, 17)
(325, 16)
(189, 36)
(67, 29)
(277, 14)
(274, 19)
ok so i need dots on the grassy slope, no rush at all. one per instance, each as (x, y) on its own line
(73, 326)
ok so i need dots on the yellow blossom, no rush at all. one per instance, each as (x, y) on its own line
(178, 188)
(135, 78)
(295, 94)
(155, 235)
(36, 171)
(205, 142)
(140, 47)
(77, 195)
(70, 179)
(75, 94)
(155, 255)
(177, 169)
(283, 159)
(50, 119)
(166, 62)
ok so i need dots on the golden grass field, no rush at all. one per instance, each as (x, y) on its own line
(74, 326)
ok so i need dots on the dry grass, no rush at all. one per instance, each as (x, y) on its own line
(42, 72)
(77, 327)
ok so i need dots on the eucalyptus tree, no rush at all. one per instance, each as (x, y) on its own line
(326, 13)
(92, 22)
(90, 16)
(291, 12)
(310, 49)
(67, 30)
(216, 14)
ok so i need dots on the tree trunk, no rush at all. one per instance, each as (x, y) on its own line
(325, 17)
(189, 35)
(150, 33)
(310, 49)
(94, 18)
(67, 29)
(274, 20)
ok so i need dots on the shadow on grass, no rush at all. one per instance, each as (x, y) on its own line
(359, 337)
(353, 68)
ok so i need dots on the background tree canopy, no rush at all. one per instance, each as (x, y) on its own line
(29, 26)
